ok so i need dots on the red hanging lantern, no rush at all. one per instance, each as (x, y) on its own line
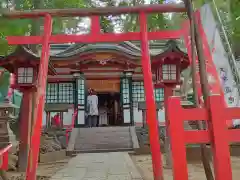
(24, 65)
(168, 66)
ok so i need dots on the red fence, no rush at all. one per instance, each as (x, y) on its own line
(4, 157)
(217, 134)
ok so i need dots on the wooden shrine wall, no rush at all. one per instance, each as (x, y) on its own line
(104, 85)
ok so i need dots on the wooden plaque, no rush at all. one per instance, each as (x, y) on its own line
(104, 85)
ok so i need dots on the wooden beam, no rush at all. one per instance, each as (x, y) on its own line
(95, 38)
(83, 12)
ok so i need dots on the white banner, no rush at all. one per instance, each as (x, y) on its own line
(220, 58)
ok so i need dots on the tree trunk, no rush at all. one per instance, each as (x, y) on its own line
(36, 24)
(196, 42)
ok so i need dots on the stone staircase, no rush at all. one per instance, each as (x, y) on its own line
(104, 139)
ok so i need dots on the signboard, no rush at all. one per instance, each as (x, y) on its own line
(104, 85)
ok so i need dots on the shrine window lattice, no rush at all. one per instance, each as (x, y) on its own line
(139, 94)
(125, 91)
(81, 92)
(25, 75)
(60, 93)
(169, 72)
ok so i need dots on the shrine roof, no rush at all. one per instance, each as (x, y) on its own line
(26, 54)
(132, 49)
(127, 48)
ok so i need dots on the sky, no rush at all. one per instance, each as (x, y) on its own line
(86, 22)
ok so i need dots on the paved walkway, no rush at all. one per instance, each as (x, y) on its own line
(99, 166)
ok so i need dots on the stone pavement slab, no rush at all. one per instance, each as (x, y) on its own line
(99, 166)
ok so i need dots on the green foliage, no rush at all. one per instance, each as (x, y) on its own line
(4, 84)
(22, 27)
(235, 14)
(14, 28)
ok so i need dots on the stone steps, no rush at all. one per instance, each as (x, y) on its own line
(103, 139)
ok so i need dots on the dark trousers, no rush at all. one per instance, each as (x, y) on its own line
(92, 121)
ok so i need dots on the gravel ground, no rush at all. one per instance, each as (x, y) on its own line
(196, 172)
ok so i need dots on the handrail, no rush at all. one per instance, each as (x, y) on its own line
(2, 151)
(4, 156)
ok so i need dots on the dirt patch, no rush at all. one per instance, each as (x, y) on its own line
(196, 172)
(44, 172)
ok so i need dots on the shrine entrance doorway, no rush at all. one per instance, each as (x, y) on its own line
(108, 92)
(110, 113)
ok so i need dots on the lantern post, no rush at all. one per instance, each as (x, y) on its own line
(168, 76)
(25, 81)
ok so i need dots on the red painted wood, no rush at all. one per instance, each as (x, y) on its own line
(94, 38)
(48, 120)
(156, 8)
(4, 156)
(217, 134)
(95, 25)
(101, 70)
(118, 59)
(220, 145)
(176, 133)
(232, 113)
(193, 136)
(190, 114)
(5, 161)
(150, 101)
(234, 134)
(40, 101)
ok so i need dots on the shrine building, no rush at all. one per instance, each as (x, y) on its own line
(113, 70)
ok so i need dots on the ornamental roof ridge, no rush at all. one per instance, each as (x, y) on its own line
(131, 48)
(94, 47)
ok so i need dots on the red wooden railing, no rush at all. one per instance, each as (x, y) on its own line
(4, 157)
(217, 134)
(71, 126)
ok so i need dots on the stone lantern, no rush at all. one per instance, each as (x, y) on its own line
(7, 114)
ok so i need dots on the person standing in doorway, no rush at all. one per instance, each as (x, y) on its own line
(92, 104)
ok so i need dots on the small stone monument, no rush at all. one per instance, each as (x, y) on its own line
(7, 115)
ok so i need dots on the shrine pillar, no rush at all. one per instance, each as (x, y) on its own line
(80, 99)
(126, 98)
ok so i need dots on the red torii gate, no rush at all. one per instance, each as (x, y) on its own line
(94, 37)
(215, 114)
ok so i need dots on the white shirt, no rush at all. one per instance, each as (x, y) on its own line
(92, 102)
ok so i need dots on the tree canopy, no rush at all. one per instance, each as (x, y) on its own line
(123, 23)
